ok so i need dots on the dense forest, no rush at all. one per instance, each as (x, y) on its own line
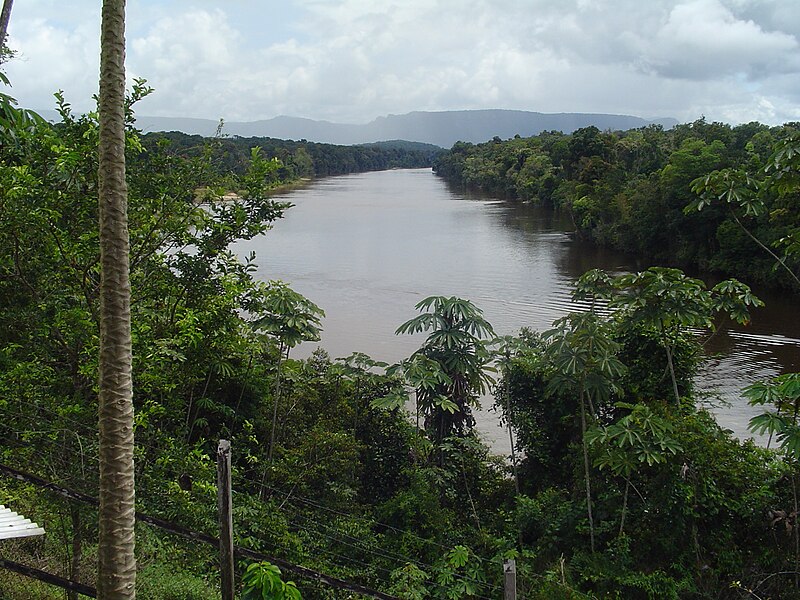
(634, 190)
(619, 486)
(297, 159)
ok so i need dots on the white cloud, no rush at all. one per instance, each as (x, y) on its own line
(188, 59)
(51, 58)
(703, 39)
(353, 60)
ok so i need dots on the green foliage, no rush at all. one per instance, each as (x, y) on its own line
(162, 582)
(351, 488)
(768, 192)
(732, 186)
(637, 439)
(408, 583)
(457, 575)
(262, 581)
(582, 354)
(288, 316)
(664, 304)
(296, 159)
(658, 478)
(14, 121)
(669, 197)
(548, 522)
(783, 393)
(451, 368)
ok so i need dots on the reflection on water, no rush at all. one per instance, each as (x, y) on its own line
(368, 247)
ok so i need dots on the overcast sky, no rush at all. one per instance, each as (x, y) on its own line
(354, 60)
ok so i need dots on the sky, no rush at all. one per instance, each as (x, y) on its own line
(351, 61)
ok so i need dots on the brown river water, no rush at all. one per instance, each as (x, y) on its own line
(368, 247)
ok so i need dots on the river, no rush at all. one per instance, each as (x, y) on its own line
(368, 247)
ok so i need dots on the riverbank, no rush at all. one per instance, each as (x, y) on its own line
(639, 192)
(368, 247)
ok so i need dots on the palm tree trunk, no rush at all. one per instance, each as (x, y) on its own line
(116, 576)
(5, 17)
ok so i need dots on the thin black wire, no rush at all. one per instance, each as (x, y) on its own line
(93, 458)
(36, 421)
(397, 557)
(30, 414)
(317, 533)
(67, 457)
(374, 549)
(384, 553)
(353, 516)
(304, 500)
(58, 452)
(61, 455)
(89, 428)
(359, 545)
(369, 566)
(356, 545)
(262, 486)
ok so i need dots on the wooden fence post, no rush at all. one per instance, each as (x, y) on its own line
(224, 503)
(510, 579)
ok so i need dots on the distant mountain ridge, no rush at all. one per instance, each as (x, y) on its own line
(442, 128)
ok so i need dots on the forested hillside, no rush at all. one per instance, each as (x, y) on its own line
(297, 159)
(620, 487)
(632, 190)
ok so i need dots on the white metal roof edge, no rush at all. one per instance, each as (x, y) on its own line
(13, 525)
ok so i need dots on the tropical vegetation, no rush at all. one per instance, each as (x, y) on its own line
(621, 486)
(702, 196)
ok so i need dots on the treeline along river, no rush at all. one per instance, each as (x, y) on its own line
(368, 247)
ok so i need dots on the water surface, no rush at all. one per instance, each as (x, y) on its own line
(368, 247)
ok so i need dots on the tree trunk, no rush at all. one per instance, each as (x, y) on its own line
(116, 570)
(587, 473)
(780, 261)
(277, 395)
(507, 393)
(77, 548)
(796, 532)
(511, 437)
(672, 376)
(624, 507)
(5, 17)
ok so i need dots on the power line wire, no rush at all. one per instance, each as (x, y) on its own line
(353, 516)
(391, 556)
(198, 536)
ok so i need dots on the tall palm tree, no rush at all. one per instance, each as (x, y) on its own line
(116, 576)
(5, 17)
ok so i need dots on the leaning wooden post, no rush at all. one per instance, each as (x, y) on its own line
(510, 578)
(224, 503)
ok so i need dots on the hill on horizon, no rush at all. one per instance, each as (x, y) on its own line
(442, 128)
(438, 128)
